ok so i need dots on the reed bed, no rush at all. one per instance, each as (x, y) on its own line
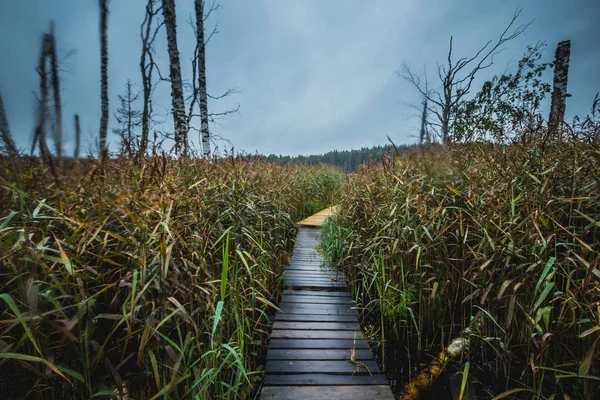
(144, 279)
(504, 239)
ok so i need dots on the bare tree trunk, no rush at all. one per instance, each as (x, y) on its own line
(77, 137)
(40, 134)
(559, 95)
(129, 144)
(9, 144)
(423, 135)
(202, 77)
(103, 77)
(147, 68)
(56, 91)
(179, 117)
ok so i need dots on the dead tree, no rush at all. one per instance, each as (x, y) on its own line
(456, 77)
(103, 77)
(7, 140)
(40, 133)
(147, 66)
(559, 94)
(201, 63)
(199, 86)
(180, 121)
(77, 137)
(129, 119)
(424, 132)
(52, 53)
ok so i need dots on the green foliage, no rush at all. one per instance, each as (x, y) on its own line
(318, 189)
(346, 160)
(333, 240)
(506, 103)
(144, 280)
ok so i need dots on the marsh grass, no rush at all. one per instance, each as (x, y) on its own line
(508, 233)
(145, 279)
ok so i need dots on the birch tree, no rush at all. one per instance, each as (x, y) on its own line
(103, 77)
(180, 121)
(147, 65)
(201, 64)
(200, 93)
(456, 77)
(7, 140)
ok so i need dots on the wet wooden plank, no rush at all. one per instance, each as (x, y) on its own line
(317, 344)
(346, 392)
(314, 334)
(299, 292)
(304, 284)
(327, 309)
(324, 379)
(317, 367)
(312, 354)
(338, 326)
(314, 318)
(316, 300)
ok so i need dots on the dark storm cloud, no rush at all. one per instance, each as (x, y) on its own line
(313, 75)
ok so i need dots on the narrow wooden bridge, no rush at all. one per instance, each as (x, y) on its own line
(317, 350)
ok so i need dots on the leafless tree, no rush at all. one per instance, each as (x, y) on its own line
(103, 76)
(199, 94)
(128, 118)
(52, 54)
(77, 137)
(456, 77)
(201, 63)
(424, 132)
(180, 121)
(561, 77)
(39, 137)
(147, 65)
(7, 140)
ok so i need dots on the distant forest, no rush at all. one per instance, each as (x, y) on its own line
(347, 160)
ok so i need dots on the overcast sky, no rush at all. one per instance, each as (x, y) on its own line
(312, 75)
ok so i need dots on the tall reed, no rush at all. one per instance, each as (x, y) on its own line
(145, 279)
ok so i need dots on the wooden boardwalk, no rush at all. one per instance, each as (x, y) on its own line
(317, 350)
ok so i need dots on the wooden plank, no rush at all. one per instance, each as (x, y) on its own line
(316, 300)
(338, 326)
(317, 367)
(302, 308)
(299, 292)
(308, 284)
(346, 392)
(317, 344)
(313, 334)
(324, 379)
(308, 354)
(311, 278)
(312, 272)
(315, 318)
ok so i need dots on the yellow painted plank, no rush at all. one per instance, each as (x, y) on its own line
(318, 218)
